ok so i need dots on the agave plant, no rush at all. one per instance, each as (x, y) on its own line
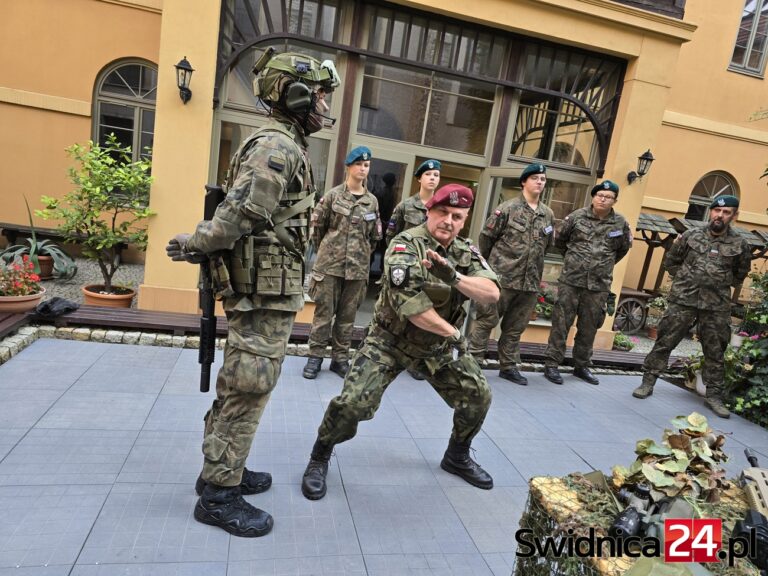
(63, 265)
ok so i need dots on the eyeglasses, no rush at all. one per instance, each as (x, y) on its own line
(605, 197)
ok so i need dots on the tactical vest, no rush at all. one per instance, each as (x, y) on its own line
(270, 260)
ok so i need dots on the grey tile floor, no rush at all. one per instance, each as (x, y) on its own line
(100, 448)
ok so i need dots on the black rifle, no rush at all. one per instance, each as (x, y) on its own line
(213, 197)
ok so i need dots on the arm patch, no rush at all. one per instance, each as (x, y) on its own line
(276, 163)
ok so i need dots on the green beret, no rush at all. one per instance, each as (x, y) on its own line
(606, 185)
(725, 202)
(532, 169)
(427, 165)
(359, 153)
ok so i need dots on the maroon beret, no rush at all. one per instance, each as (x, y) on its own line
(454, 195)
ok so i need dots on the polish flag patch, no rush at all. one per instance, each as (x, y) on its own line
(399, 248)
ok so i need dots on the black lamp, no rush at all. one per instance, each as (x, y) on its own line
(643, 166)
(183, 76)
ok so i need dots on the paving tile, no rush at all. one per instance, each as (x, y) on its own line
(62, 352)
(163, 569)
(501, 564)
(542, 457)
(384, 461)
(292, 416)
(60, 570)
(179, 413)
(509, 420)
(302, 528)
(308, 566)
(426, 565)
(117, 355)
(24, 408)
(491, 517)
(9, 437)
(484, 451)
(48, 456)
(152, 523)
(166, 457)
(99, 411)
(425, 421)
(184, 377)
(46, 525)
(45, 375)
(407, 520)
(572, 424)
(138, 379)
(604, 455)
(285, 456)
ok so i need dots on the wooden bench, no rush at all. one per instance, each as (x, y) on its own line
(11, 322)
(12, 232)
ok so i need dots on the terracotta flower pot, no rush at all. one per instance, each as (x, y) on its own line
(92, 295)
(653, 332)
(46, 267)
(18, 304)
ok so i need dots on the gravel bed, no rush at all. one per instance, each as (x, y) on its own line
(88, 272)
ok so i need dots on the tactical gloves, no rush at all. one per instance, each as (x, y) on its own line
(176, 252)
(443, 269)
(458, 343)
(610, 304)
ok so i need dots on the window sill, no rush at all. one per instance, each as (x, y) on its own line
(747, 72)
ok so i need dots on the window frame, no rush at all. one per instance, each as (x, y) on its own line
(744, 68)
(699, 200)
(140, 104)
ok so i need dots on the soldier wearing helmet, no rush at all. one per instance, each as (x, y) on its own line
(255, 244)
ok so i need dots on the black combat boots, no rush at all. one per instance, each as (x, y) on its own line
(552, 374)
(312, 367)
(224, 507)
(513, 375)
(457, 461)
(313, 484)
(585, 374)
(341, 368)
(251, 483)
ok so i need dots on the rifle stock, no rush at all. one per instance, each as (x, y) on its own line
(213, 197)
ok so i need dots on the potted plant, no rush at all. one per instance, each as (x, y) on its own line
(49, 259)
(20, 289)
(656, 308)
(622, 342)
(104, 211)
(545, 301)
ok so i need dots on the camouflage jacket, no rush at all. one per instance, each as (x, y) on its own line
(592, 247)
(408, 288)
(407, 214)
(514, 240)
(269, 170)
(345, 229)
(704, 267)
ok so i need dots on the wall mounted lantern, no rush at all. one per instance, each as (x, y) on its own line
(183, 76)
(643, 166)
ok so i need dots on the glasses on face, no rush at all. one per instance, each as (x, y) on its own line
(605, 197)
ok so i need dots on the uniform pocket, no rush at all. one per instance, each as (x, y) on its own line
(255, 374)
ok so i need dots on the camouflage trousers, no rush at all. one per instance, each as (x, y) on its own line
(714, 332)
(459, 382)
(588, 308)
(336, 304)
(253, 357)
(514, 309)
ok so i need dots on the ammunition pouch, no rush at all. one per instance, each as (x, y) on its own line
(265, 269)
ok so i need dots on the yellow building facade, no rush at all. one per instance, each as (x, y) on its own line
(487, 87)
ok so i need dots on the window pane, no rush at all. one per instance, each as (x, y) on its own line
(564, 197)
(458, 123)
(392, 110)
(115, 116)
(146, 139)
(148, 87)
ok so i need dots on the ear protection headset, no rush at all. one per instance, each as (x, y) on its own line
(297, 98)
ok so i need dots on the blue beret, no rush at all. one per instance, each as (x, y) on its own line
(725, 202)
(606, 185)
(454, 195)
(359, 153)
(532, 169)
(427, 165)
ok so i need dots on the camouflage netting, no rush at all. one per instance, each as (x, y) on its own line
(571, 505)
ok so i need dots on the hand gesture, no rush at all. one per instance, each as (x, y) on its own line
(175, 250)
(441, 267)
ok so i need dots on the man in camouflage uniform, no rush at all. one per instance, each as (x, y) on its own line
(704, 263)
(514, 240)
(429, 272)
(593, 240)
(260, 234)
(412, 211)
(345, 230)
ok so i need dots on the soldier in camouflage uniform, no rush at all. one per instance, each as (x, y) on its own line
(412, 211)
(429, 273)
(345, 230)
(259, 233)
(704, 263)
(514, 240)
(593, 240)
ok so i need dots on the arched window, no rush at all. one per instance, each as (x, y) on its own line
(125, 104)
(709, 187)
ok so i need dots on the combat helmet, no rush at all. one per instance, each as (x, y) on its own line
(289, 79)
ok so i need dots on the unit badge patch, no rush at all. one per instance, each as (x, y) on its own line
(398, 276)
